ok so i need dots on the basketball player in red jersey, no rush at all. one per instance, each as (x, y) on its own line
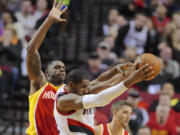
(121, 111)
(43, 86)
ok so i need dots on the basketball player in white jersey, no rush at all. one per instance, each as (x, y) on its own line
(74, 105)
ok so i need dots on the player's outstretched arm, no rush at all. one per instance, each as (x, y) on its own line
(69, 102)
(33, 61)
(110, 78)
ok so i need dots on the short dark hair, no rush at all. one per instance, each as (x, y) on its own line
(141, 12)
(76, 76)
(50, 64)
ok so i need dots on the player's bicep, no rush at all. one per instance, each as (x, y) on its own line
(69, 102)
(33, 63)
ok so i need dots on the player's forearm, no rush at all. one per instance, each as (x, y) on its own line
(39, 36)
(106, 84)
(103, 98)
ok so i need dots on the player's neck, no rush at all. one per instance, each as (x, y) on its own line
(116, 128)
(56, 84)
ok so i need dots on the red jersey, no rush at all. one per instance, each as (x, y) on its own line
(169, 128)
(105, 130)
(160, 24)
(41, 111)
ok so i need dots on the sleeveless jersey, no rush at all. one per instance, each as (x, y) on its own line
(77, 122)
(41, 116)
(105, 130)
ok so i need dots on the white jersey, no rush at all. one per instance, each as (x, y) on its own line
(79, 122)
(135, 38)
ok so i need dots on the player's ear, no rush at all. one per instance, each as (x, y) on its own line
(71, 84)
(47, 73)
(114, 112)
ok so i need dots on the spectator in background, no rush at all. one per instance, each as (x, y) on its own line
(160, 19)
(112, 16)
(134, 34)
(165, 100)
(139, 116)
(26, 19)
(8, 18)
(120, 21)
(129, 55)
(10, 59)
(94, 67)
(104, 51)
(144, 131)
(167, 89)
(170, 67)
(3, 5)
(110, 40)
(154, 37)
(160, 122)
(41, 9)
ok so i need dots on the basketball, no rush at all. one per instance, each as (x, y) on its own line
(148, 58)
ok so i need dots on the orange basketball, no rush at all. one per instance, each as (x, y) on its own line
(150, 59)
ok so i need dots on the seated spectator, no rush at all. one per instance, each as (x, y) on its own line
(140, 116)
(120, 21)
(160, 122)
(129, 55)
(26, 19)
(144, 131)
(41, 9)
(104, 51)
(160, 19)
(10, 58)
(167, 89)
(112, 16)
(8, 18)
(135, 34)
(171, 68)
(110, 40)
(154, 37)
(94, 66)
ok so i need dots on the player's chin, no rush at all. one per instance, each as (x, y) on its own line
(125, 124)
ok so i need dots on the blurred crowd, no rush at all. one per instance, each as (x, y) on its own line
(136, 27)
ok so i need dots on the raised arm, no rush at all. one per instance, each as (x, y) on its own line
(71, 102)
(33, 61)
(110, 78)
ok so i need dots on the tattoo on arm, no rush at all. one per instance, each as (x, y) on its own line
(34, 65)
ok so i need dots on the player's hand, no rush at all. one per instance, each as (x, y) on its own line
(139, 75)
(55, 13)
(125, 68)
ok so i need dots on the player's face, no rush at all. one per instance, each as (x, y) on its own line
(82, 87)
(124, 115)
(57, 72)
